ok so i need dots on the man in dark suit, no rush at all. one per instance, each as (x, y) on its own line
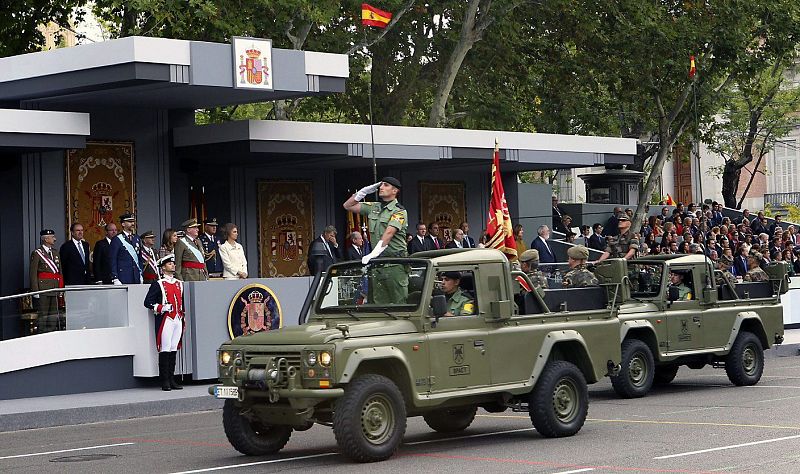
(597, 241)
(101, 266)
(123, 254)
(331, 255)
(420, 242)
(356, 248)
(558, 218)
(436, 242)
(546, 255)
(469, 242)
(75, 257)
(612, 226)
(740, 267)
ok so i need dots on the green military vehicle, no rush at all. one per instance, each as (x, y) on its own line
(363, 369)
(678, 310)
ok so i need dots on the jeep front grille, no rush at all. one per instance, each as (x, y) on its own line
(294, 359)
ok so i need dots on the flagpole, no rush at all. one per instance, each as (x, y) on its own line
(371, 124)
(697, 147)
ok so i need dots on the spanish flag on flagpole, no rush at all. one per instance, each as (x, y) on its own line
(498, 227)
(692, 67)
(371, 16)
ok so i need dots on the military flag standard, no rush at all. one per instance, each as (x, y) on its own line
(499, 229)
(371, 16)
(692, 67)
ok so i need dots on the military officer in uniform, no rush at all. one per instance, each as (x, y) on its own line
(123, 253)
(624, 245)
(529, 263)
(388, 224)
(211, 244)
(755, 273)
(45, 274)
(579, 276)
(147, 256)
(724, 264)
(458, 302)
(676, 279)
(189, 259)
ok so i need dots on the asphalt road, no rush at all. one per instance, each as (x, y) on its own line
(700, 423)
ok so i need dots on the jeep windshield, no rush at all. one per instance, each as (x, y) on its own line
(645, 279)
(383, 286)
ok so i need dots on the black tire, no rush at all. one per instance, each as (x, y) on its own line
(250, 437)
(745, 362)
(665, 374)
(369, 420)
(450, 420)
(635, 378)
(559, 402)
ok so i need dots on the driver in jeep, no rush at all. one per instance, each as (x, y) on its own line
(458, 302)
(676, 279)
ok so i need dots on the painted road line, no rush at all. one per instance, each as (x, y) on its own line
(257, 463)
(722, 448)
(65, 451)
(576, 470)
(479, 435)
(663, 422)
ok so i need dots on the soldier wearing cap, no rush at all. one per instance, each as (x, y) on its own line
(624, 245)
(211, 243)
(165, 298)
(755, 273)
(579, 276)
(529, 263)
(123, 253)
(45, 274)
(724, 264)
(388, 224)
(147, 257)
(189, 259)
(676, 279)
(459, 303)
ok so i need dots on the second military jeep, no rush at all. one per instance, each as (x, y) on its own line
(363, 368)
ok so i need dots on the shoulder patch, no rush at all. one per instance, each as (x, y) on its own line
(399, 217)
(469, 308)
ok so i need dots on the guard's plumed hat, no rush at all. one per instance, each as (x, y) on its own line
(127, 217)
(166, 259)
(148, 234)
(452, 275)
(393, 181)
(190, 223)
(44, 232)
(578, 252)
(528, 255)
(210, 221)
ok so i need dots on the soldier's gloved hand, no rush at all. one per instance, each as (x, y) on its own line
(166, 308)
(362, 193)
(379, 248)
(116, 281)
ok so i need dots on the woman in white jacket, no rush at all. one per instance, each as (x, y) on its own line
(234, 263)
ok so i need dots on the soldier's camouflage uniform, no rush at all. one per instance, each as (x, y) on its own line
(579, 277)
(617, 246)
(459, 304)
(756, 274)
(538, 280)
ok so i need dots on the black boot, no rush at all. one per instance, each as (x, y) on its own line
(173, 356)
(163, 370)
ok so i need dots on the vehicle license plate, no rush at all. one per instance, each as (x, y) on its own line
(226, 392)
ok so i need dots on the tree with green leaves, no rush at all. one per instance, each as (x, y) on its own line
(19, 20)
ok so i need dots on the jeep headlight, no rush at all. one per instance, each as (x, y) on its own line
(225, 357)
(311, 358)
(325, 358)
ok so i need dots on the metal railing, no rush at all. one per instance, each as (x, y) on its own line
(778, 199)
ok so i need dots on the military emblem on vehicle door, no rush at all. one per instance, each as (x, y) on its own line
(458, 353)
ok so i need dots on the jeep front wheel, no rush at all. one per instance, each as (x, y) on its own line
(745, 362)
(369, 421)
(559, 402)
(450, 420)
(249, 436)
(638, 368)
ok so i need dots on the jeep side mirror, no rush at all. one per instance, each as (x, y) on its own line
(439, 306)
(672, 293)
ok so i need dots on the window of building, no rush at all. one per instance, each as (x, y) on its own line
(783, 172)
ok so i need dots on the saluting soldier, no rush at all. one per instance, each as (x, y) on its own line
(211, 244)
(189, 260)
(623, 245)
(147, 256)
(123, 253)
(165, 298)
(458, 302)
(388, 224)
(579, 276)
(529, 263)
(755, 273)
(45, 274)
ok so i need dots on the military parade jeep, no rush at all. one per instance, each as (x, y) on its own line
(724, 325)
(363, 368)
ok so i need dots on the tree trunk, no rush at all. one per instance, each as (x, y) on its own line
(645, 191)
(730, 183)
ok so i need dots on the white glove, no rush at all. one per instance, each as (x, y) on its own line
(362, 193)
(166, 308)
(36, 296)
(116, 281)
(379, 248)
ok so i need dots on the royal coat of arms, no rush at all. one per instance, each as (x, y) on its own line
(253, 63)
(254, 309)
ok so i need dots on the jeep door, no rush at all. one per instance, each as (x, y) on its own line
(685, 317)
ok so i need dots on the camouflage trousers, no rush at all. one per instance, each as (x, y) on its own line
(390, 285)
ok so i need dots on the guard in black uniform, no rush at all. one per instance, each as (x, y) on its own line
(211, 245)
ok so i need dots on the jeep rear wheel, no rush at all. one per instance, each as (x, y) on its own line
(638, 368)
(665, 374)
(450, 420)
(559, 402)
(369, 420)
(249, 436)
(745, 362)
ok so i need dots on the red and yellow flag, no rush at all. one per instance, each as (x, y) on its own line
(669, 201)
(692, 67)
(371, 16)
(499, 229)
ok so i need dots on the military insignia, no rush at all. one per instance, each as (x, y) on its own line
(399, 217)
(469, 308)
(458, 353)
(287, 242)
(254, 63)
(254, 308)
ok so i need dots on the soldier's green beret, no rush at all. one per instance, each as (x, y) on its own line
(452, 275)
(528, 255)
(393, 181)
(578, 252)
